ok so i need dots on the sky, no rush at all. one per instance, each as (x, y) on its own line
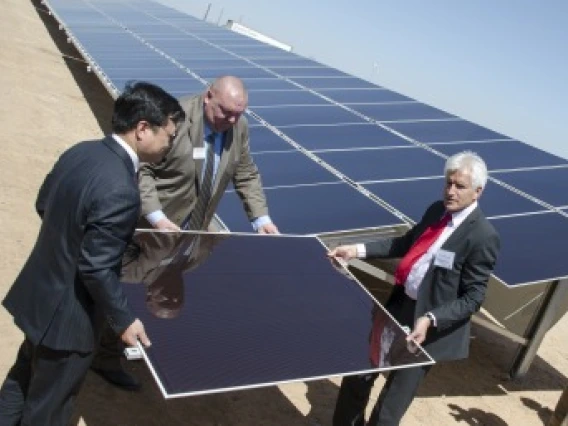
(502, 64)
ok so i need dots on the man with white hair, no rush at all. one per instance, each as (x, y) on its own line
(446, 261)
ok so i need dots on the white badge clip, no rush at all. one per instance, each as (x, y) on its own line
(199, 153)
(444, 259)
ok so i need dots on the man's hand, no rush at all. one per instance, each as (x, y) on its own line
(134, 333)
(268, 228)
(418, 335)
(166, 225)
(344, 253)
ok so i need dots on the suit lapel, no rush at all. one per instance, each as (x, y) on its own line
(457, 237)
(196, 137)
(114, 146)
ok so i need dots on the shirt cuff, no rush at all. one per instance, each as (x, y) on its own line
(432, 318)
(361, 251)
(260, 221)
(155, 217)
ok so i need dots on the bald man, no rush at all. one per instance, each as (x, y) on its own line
(214, 129)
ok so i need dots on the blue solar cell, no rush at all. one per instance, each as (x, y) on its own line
(412, 198)
(532, 248)
(222, 64)
(238, 72)
(253, 84)
(284, 97)
(170, 72)
(334, 83)
(404, 111)
(311, 209)
(382, 164)
(548, 185)
(505, 154)
(308, 72)
(264, 140)
(344, 136)
(285, 116)
(290, 168)
(256, 310)
(298, 61)
(363, 95)
(177, 88)
(128, 63)
(445, 131)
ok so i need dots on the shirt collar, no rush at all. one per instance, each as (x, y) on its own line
(129, 151)
(459, 217)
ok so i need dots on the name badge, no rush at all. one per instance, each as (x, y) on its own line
(444, 259)
(199, 153)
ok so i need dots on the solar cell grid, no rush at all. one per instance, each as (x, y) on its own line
(348, 136)
(304, 320)
(413, 197)
(374, 165)
(311, 210)
(505, 154)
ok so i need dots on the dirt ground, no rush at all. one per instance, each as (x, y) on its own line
(50, 102)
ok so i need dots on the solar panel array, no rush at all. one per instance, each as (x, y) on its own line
(335, 152)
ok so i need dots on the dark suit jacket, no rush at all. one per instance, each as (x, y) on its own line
(172, 185)
(452, 295)
(89, 204)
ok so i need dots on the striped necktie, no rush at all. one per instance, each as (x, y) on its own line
(198, 214)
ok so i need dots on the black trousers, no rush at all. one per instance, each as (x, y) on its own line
(400, 387)
(41, 386)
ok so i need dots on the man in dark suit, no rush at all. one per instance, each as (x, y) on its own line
(172, 190)
(89, 204)
(447, 259)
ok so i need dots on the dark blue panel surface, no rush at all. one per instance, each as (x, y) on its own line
(284, 97)
(223, 64)
(505, 154)
(238, 72)
(381, 164)
(311, 209)
(446, 131)
(344, 136)
(177, 87)
(285, 116)
(291, 62)
(548, 185)
(147, 74)
(290, 168)
(347, 96)
(533, 248)
(412, 197)
(252, 311)
(267, 84)
(404, 111)
(334, 83)
(262, 140)
(308, 72)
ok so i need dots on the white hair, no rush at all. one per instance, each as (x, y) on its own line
(470, 162)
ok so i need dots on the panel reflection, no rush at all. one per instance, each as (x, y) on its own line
(228, 311)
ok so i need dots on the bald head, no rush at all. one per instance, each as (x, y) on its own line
(224, 102)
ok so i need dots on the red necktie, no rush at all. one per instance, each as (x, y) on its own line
(420, 246)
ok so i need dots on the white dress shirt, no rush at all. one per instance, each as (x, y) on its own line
(129, 151)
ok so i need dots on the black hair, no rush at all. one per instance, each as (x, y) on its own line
(144, 101)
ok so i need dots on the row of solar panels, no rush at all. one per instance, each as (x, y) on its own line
(330, 145)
